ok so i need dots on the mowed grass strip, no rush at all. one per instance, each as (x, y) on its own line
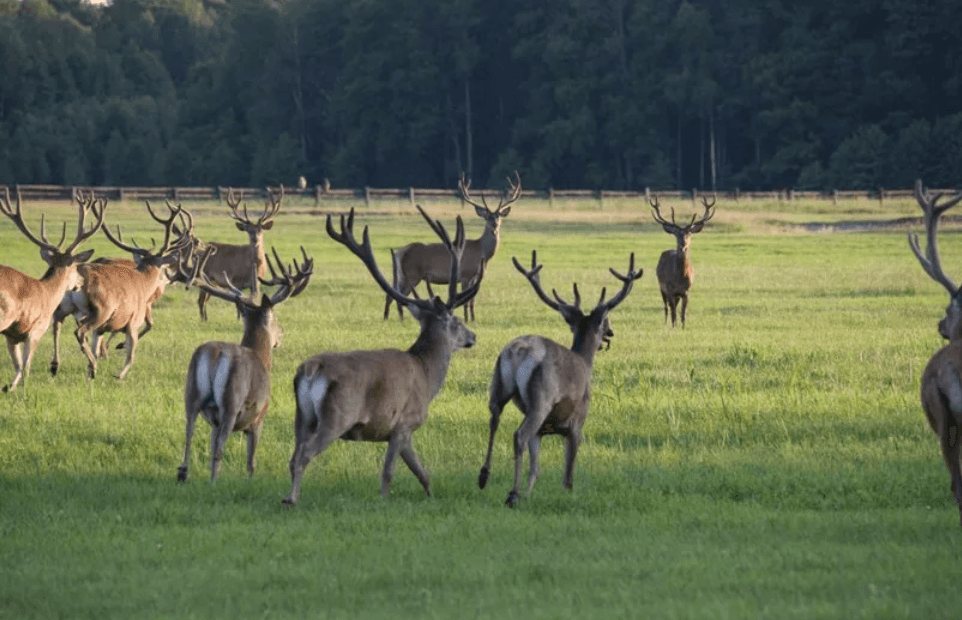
(770, 460)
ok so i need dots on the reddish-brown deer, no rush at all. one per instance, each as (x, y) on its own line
(381, 395)
(116, 298)
(26, 303)
(235, 262)
(675, 271)
(549, 383)
(230, 384)
(429, 262)
(942, 378)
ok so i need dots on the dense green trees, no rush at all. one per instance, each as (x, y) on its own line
(576, 93)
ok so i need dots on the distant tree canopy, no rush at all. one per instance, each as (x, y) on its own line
(614, 94)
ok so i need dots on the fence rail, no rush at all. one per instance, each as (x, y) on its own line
(322, 193)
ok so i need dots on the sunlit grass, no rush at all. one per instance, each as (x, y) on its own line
(770, 460)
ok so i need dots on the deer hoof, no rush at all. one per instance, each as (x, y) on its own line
(287, 501)
(54, 367)
(5, 389)
(512, 500)
(181, 474)
(483, 477)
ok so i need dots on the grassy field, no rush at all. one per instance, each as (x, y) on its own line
(769, 461)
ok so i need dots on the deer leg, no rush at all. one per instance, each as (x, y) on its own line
(387, 474)
(673, 302)
(148, 324)
(522, 439)
(192, 409)
(495, 406)
(410, 458)
(81, 334)
(13, 349)
(58, 319)
(253, 437)
(303, 453)
(534, 462)
(572, 441)
(684, 308)
(131, 346)
(218, 439)
(202, 304)
(664, 301)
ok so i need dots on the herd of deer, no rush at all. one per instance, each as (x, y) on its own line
(378, 395)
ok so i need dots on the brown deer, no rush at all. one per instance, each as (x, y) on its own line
(116, 298)
(675, 272)
(941, 381)
(430, 261)
(230, 384)
(26, 303)
(549, 383)
(234, 262)
(381, 395)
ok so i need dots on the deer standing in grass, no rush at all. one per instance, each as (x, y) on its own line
(430, 261)
(675, 271)
(115, 298)
(235, 262)
(549, 383)
(230, 384)
(381, 395)
(942, 378)
(26, 303)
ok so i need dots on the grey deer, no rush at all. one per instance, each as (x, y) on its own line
(381, 395)
(675, 271)
(549, 383)
(428, 262)
(230, 384)
(941, 387)
(27, 303)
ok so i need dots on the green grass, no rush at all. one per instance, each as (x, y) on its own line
(771, 460)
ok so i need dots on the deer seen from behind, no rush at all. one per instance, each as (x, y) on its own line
(429, 262)
(548, 382)
(230, 384)
(27, 303)
(381, 395)
(941, 387)
(235, 262)
(675, 271)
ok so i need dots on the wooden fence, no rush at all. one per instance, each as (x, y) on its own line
(321, 194)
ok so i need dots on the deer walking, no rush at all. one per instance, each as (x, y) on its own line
(429, 262)
(675, 271)
(235, 262)
(381, 395)
(549, 383)
(941, 388)
(115, 298)
(230, 384)
(26, 303)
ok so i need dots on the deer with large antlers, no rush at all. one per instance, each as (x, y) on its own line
(235, 262)
(942, 378)
(381, 395)
(675, 271)
(116, 298)
(549, 383)
(230, 384)
(429, 262)
(26, 303)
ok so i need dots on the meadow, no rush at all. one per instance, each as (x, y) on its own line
(771, 460)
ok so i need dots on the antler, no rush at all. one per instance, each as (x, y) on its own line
(97, 205)
(533, 276)
(692, 227)
(168, 246)
(270, 209)
(507, 197)
(931, 261)
(291, 281)
(627, 281)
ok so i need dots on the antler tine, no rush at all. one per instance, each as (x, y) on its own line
(931, 262)
(16, 215)
(464, 189)
(513, 193)
(576, 304)
(293, 281)
(273, 205)
(456, 249)
(198, 267)
(366, 254)
(533, 276)
(85, 206)
(627, 281)
(656, 212)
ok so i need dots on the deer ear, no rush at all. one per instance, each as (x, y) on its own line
(481, 211)
(239, 226)
(505, 211)
(267, 226)
(265, 301)
(667, 229)
(84, 256)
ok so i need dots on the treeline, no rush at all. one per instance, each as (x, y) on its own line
(614, 94)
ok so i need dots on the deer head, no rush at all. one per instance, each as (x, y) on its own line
(492, 218)
(683, 233)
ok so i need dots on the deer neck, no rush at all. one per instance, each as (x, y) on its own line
(683, 250)
(433, 350)
(257, 337)
(585, 345)
(58, 280)
(490, 239)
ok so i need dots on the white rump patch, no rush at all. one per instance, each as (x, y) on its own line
(202, 378)
(518, 367)
(311, 392)
(221, 375)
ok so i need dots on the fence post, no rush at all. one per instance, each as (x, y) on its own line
(737, 192)
(411, 195)
(317, 195)
(121, 194)
(601, 200)
(648, 195)
(881, 195)
(551, 198)
(835, 197)
(694, 196)
(367, 196)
